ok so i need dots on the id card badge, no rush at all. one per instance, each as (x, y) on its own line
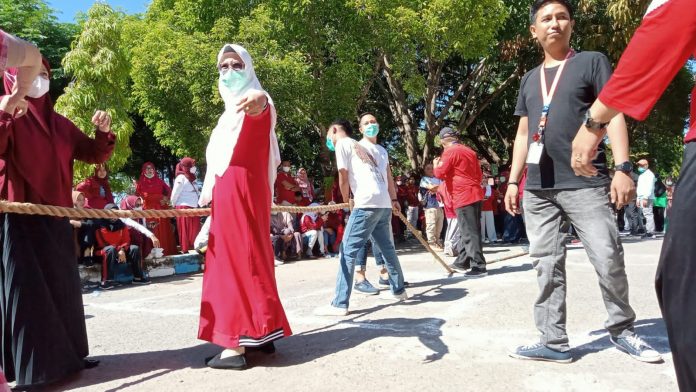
(534, 153)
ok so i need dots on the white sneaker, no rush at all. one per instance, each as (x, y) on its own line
(388, 296)
(330, 310)
(278, 262)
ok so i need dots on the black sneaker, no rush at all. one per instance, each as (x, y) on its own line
(475, 273)
(637, 348)
(539, 352)
(142, 281)
(109, 284)
(458, 268)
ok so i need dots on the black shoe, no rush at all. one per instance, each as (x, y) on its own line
(90, 363)
(476, 273)
(268, 348)
(459, 268)
(142, 281)
(237, 362)
(109, 284)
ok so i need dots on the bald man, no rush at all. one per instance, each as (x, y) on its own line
(645, 196)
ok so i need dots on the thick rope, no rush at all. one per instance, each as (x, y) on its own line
(75, 213)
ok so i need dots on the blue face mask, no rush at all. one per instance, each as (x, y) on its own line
(233, 80)
(330, 145)
(371, 130)
(641, 170)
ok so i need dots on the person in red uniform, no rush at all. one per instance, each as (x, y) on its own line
(96, 189)
(658, 50)
(155, 194)
(41, 308)
(240, 307)
(285, 186)
(461, 172)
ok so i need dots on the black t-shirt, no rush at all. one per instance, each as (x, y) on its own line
(585, 74)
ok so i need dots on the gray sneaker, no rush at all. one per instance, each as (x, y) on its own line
(539, 352)
(637, 348)
(365, 287)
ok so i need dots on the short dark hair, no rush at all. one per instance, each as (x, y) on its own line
(365, 114)
(344, 124)
(536, 6)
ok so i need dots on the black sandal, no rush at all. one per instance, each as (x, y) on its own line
(237, 362)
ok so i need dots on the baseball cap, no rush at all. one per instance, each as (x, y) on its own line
(448, 132)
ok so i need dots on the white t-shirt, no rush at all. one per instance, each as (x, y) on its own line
(367, 172)
(184, 193)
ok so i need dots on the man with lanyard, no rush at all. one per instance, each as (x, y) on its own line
(549, 118)
(665, 40)
(363, 168)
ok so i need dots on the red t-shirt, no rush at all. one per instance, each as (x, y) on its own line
(282, 193)
(462, 175)
(487, 204)
(658, 50)
(119, 239)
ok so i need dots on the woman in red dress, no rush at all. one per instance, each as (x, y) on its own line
(240, 306)
(155, 194)
(96, 189)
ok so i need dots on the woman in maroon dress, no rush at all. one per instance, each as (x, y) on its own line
(44, 338)
(240, 305)
(96, 189)
(155, 194)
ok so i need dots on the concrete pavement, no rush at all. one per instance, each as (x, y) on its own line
(452, 334)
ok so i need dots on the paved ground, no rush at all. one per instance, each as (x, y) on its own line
(452, 334)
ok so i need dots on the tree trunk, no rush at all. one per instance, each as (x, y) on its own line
(404, 120)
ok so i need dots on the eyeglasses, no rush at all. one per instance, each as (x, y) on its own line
(234, 66)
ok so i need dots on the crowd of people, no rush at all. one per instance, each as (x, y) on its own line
(557, 179)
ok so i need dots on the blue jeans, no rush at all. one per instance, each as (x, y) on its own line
(363, 224)
(361, 258)
(329, 240)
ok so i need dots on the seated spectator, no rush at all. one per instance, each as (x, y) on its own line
(85, 232)
(312, 227)
(115, 247)
(333, 230)
(96, 188)
(139, 234)
(287, 243)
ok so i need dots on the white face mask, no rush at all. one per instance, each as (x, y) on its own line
(193, 170)
(286, 169)
(138, 209)
(149, 175)
(39, 88)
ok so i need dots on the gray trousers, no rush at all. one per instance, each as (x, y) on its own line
(590, 212)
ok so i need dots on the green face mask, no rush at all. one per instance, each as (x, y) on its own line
(330, 145)
(233, 80)
(371, 130)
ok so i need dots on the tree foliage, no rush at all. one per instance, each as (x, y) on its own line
(34, 21)
(100, 67)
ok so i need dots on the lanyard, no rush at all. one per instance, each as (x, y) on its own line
(547, 95)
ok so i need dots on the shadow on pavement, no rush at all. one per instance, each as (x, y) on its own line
(121, 366)
(653, 331)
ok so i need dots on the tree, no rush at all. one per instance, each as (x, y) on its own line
(100, 67)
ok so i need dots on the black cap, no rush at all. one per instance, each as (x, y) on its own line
(448, 132)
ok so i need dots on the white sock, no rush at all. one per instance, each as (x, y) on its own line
(232, 352)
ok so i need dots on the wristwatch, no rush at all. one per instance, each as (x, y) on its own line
(625, 167)
(592, 124)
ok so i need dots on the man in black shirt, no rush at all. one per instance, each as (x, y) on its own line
(552, 103)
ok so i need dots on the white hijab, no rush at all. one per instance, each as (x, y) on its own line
(225, 135)
(312, 215)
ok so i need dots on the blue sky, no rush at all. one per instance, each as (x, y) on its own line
(67, 9)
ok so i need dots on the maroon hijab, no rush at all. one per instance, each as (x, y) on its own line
(104, 182)
(184, 167)
(43, 173)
